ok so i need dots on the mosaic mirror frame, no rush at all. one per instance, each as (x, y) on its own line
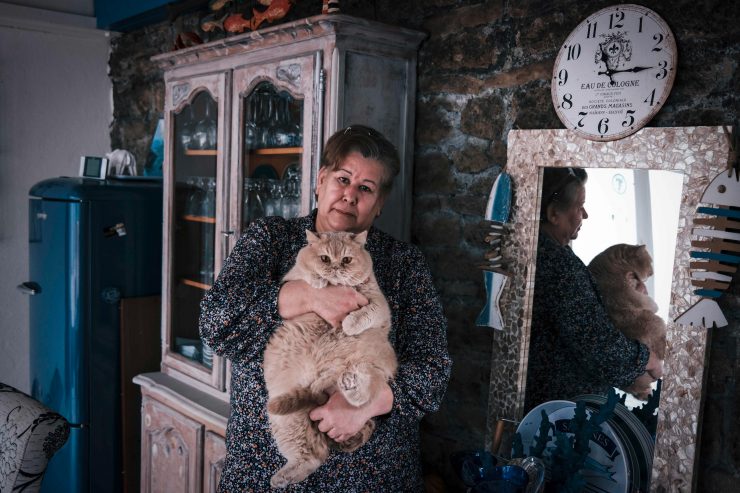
(700, 153)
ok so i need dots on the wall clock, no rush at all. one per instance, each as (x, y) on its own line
(614, 72)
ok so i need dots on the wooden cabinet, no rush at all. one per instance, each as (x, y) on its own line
(170, 442)
(214, 455)
(246, 118)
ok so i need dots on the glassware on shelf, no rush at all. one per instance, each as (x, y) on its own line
(283, 130)
(208, 207)
(251, 132)
(255, 208)
(273, 198)
(206, 355)
(291, 191)
(208, 210)
(266, 120)
(205, 132)
(187, 127)
(195, 197)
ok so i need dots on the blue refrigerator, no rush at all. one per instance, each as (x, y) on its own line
(91, 243)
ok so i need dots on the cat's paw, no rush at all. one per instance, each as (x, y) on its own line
(353, 324)
(354, 387)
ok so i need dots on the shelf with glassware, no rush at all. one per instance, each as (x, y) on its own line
(193, 248)
(273, 138)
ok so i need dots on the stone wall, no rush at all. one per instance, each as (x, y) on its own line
(485, 69)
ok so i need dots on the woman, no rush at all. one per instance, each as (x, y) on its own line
(247, 302)
(574, 347)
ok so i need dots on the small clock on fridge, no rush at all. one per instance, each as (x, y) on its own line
(614, 72)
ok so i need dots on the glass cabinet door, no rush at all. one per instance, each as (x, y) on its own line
(193, 182)
(273, 126)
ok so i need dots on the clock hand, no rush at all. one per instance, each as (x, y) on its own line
(633, 69)
(608, 71)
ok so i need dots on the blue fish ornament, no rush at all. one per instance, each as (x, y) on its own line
(494, 276)
(719, 251)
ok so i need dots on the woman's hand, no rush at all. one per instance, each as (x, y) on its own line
(332, 303)
(341, 421)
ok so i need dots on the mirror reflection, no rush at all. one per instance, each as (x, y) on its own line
(576, 345)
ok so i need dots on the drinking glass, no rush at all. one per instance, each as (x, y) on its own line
(187, 127)
(251, 135)
(291, 192)
(195, 196)
(255, 189)
(208, 210)
(267, 119)
(274, 198)
(208, 207)
(205, 132)
(283, 132)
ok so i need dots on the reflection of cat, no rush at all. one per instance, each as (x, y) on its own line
(306, 359)
(619, 272)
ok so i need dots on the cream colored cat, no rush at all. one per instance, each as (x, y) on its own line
(307, 359)
(619, 272)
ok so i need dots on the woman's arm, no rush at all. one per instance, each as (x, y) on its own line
(421, 338)
(584, 327)
(239, 312)
(332, 303)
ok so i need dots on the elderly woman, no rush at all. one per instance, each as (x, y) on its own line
(248, 301)
(574, 347)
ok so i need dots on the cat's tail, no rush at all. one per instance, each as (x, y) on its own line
(300, 399)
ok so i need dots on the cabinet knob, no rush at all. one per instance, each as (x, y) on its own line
(227, 233)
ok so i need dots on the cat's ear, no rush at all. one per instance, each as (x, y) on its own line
(311, 237)
(361, 238)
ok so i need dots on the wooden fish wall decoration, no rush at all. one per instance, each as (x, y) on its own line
(494, 275)
(718, 252)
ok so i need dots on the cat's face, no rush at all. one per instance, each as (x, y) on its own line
(340, 258)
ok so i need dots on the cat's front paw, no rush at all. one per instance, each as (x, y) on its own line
(353, 324)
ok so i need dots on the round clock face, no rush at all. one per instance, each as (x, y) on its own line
(614, 72)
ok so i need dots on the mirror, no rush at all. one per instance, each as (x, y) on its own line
(698, 154)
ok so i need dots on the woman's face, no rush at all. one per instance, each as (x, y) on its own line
(565, 224)
(349, 197)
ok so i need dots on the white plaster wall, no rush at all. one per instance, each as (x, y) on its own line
(55, 105)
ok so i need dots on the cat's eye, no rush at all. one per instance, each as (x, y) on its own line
(346, 260)
(325, 259)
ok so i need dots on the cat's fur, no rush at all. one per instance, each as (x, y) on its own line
(306, 359)
(619, 271)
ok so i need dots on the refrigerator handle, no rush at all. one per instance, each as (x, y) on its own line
(29, 287)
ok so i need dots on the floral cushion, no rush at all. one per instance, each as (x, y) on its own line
(30, 434)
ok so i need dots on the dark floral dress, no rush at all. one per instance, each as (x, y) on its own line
(574, 347)
(239, 314)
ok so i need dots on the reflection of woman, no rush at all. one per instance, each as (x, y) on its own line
(247, 303)
(574, 347)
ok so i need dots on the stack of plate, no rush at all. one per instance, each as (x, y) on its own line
(634, 436)
(609, 466)
(207, 355)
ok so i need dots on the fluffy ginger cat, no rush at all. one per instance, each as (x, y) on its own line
(619, 272)
(307, 359)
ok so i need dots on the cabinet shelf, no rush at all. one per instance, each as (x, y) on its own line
(201, 152)
(200, 219)
(196, 284)
(271, 151)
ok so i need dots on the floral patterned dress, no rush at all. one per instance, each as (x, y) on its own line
(239, 314)
(574, 347)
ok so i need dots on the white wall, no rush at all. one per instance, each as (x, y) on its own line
(55, 105)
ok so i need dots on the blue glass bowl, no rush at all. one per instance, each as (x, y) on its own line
(505, 479)
(478, 470)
